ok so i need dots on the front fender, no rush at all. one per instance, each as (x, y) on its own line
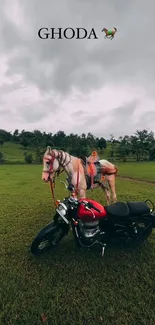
(47, 229)
(51, 227)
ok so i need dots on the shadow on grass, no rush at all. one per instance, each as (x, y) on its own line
(117, 252)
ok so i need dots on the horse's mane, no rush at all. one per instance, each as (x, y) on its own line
(49, 151)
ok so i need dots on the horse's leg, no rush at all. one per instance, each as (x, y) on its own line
(82, 193)
(111, 182)
(82, 187)
(107, 193)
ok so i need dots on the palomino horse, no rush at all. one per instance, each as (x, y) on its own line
(55, 160)
(109, 32)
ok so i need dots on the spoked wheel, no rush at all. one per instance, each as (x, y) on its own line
(49, 237)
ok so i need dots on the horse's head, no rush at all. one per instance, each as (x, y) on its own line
(104, 30)
(50, 164)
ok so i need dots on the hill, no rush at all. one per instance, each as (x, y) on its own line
(14, 153)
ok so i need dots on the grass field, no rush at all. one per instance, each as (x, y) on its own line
(70, 287)
(143, 170)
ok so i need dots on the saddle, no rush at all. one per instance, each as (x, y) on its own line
(92, 169)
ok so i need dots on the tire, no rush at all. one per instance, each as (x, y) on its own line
(47, 239)
(144, 232)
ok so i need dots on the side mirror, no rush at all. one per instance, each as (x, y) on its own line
(64, 184)
(71, 187)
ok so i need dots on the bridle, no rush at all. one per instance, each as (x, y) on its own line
(62, 164)
(59, 157)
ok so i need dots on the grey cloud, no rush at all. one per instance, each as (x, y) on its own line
(121, 121)
(60, 65)
(32, 115)
(148, 118)
(38, 111)
(6, 89)
(6, 113)
(77, 114)
(91, 120)
(125, 111)
(127, 58)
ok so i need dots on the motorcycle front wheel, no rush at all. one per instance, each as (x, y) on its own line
(48, 238)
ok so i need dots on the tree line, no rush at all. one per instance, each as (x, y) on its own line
(140, 145)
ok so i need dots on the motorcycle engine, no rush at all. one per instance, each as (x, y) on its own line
(89, 230)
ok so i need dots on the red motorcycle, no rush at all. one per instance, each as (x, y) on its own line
(94, 224)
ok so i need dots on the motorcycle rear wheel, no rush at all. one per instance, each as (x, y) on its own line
(144, 232)
(48, 240)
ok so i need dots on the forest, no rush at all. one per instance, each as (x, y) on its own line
(140, 146)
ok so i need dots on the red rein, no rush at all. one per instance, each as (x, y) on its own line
(51, 161)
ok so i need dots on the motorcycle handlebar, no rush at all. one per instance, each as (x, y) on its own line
(90, 205)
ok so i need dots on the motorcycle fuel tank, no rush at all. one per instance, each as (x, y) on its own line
(87, 216)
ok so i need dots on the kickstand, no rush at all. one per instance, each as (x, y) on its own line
(103, 250)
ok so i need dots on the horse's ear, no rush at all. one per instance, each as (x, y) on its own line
(49, 149)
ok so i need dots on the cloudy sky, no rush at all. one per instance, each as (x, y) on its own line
(88, 85)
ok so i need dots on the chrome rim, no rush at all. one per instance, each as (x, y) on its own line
(43, 244)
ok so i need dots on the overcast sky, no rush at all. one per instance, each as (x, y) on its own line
(80, 86)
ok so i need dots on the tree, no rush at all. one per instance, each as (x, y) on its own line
(28, 158)
(123, 148)
(47, 139)
(90, 140)
(15, 136)
(1, 142)
(38, 156)
(24, 142)
(135, 147)
(101, 143)
(1, 157)
(27, 138)
(59, 139)
(141, 143)
(112, 145)
(4, 135)
(152, 154)
(37, 138)
(80, 151)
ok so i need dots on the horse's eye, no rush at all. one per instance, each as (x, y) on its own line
(47, 163)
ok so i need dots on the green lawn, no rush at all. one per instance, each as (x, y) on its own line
(143, 170)
(68, 286)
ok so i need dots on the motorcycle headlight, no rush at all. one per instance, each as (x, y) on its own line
(62, 207)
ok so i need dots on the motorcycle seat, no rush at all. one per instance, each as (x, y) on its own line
(118, 210)
(138, 208)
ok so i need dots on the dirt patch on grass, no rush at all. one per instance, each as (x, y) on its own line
(136, 179)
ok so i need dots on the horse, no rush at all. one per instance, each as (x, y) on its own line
(57, 161)
(109, 32)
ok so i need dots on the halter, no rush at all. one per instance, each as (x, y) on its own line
(62, 164)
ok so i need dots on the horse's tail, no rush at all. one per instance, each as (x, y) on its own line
(116, 170)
